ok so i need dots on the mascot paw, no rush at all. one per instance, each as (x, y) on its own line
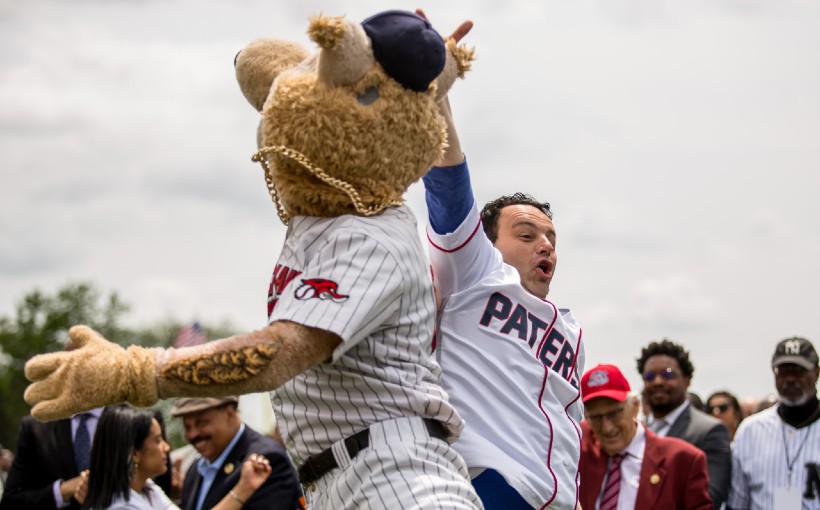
(91, 372)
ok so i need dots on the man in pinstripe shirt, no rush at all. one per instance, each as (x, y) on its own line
(776, 453)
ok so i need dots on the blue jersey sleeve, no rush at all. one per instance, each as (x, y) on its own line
(449, 196)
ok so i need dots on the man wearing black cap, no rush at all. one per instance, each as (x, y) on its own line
(215, 429)
(776, 453)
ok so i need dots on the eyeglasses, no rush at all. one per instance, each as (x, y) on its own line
(722, 408)
(613, 416)
(666, 374)
(790, 369)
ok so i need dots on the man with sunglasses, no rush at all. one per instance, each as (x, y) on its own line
(667, 372)
(776, 455)
(624, 465)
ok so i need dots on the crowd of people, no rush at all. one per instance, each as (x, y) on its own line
(658, 447)
(118, 458)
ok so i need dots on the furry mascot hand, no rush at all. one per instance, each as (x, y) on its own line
(95, 372)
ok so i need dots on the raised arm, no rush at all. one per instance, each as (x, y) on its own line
(98, 372)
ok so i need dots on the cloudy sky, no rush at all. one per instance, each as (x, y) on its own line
(677, 142)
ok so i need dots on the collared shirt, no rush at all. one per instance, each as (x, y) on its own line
(91, 425)
(630, 471)
(669, 419)
(208, 470)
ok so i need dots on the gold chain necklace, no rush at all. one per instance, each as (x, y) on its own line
(321, 175)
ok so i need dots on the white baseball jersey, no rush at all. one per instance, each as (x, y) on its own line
(511, 365)
(764, 451)
(367, 280)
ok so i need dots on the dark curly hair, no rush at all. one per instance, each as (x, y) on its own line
(667, 348)
(491, 211)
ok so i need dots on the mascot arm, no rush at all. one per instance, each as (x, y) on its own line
(97, 372)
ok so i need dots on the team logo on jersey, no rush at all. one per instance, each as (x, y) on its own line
(550, 345)
(319, 288)
(282, 276)
(598, 378)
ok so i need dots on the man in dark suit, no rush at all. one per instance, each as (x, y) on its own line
(623, 465)
(46, 471)
(667, 372)
(215, 429)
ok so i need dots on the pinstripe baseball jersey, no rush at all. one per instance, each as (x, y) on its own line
(764, 448)
(367, 280)
(511, 364)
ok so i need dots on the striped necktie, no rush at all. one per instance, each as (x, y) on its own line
(609, 498)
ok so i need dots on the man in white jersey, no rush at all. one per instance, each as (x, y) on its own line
(511, 359)
(776, 453)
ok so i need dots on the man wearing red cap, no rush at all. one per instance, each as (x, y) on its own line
(623, 465)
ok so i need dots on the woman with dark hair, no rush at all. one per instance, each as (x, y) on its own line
(725, 407)
(129, 450)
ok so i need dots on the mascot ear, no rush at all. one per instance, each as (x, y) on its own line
(459, 61)
(345, 54)
(261, 62)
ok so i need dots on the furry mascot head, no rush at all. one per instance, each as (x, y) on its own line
(348, 129)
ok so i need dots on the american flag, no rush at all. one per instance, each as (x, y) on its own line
(189, 336)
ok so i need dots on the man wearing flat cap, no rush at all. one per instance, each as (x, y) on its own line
(215, 429)
(776, 453)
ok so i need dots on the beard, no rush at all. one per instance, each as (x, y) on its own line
(794, 401)
(664, 408)
(803, 399)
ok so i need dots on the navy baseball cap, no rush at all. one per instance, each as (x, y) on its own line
(408, 48)
(797, 351)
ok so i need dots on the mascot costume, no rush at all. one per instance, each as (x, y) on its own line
(347, 352)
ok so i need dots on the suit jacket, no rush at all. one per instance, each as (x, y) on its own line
(281, 491)
(673, 474)
(710, 435)
(45, 454)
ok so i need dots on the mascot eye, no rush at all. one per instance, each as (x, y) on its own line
(369, 96)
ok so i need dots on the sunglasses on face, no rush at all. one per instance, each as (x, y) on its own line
(722, 408)
(666, 374)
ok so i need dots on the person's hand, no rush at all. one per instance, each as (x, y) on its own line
(459, 33)
(94, 373)
(177, 479)
(82, 489)
(69, 487)
(453, 154)
(255, 470)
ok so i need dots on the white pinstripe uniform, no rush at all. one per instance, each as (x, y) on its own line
(512, 365)
(764, 448)
(381, 304)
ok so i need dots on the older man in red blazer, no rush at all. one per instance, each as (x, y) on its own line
(625, 466)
